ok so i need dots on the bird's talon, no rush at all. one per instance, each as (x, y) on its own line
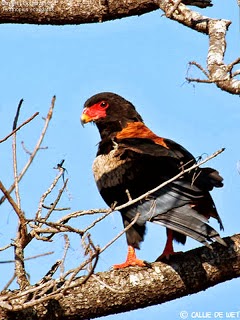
(166, 257)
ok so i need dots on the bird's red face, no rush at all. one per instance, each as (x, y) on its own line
(110, 112)
(94, 112)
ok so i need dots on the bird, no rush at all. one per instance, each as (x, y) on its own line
(132, 160)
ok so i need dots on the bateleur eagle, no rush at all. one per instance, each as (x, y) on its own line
(132, 160)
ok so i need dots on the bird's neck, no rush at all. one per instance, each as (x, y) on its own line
(108, 132)
(109, 129)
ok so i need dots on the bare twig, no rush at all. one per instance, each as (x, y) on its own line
(120, 233)
(19, 243)
(18, 128)
(25, 149)
(200, 80)
(53, 206)
(15, 121)
(38, 286)
(50, 273)
(194, 63)
(93, 252)
(128, 195)
(37, 147)
(98, 220)
(6, 247)
(13, 204)
(54, 228)
(232, 64)
(46, 193)
(10, 281)
(75, 271)
(80, 213)
(66, 247)
(29, 152)
(14, 144)
(55, 209)
(236, 73)
(30, 258)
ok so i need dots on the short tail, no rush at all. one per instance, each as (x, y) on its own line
(187, 221)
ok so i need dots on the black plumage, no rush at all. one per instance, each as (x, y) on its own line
(132, 160)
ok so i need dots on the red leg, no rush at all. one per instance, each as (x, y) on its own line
(168, 250)
(132, 260)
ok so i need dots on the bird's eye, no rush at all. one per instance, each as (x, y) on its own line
(104, 104)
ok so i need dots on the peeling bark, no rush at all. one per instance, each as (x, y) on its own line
(219, 72)
(132, 288)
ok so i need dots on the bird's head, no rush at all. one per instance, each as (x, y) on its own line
(109, 111)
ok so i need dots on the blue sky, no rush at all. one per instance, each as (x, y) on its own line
(144, 59)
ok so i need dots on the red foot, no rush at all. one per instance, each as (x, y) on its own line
(168, 250)
(132, 260)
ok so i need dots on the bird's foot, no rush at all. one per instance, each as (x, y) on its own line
(130, 263)
(131, 260)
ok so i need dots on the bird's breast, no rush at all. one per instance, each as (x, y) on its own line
(109, 169)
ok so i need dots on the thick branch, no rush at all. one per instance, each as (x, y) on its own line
(131, 288)
(219, 72)
(60, 12)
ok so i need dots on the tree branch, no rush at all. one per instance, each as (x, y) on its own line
(37, 147)
(59, 12)
(135, 287)
(219, 72)
(18, 128)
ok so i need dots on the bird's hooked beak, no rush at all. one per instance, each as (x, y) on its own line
(85, 117)
(93, 113)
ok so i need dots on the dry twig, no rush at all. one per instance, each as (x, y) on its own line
(66, 247)
(36, 149)
(46, 193)
(14, 146)
(19, 127)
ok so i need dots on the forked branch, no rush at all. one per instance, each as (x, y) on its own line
(36, 149)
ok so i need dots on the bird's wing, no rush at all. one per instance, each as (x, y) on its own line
(140, 161)
(136, 135)
(184, 205)
(148, 147)
(177, 157)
